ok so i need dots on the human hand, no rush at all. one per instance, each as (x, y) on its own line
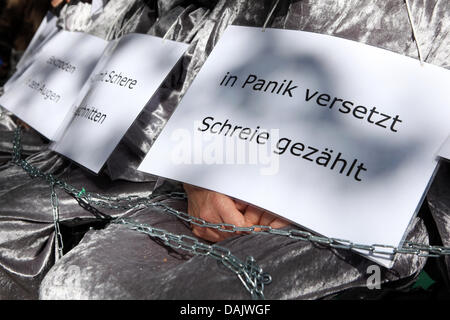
(215, 207)
(55, 3)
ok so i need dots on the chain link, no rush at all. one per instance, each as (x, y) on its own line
(422, 250)
(251, 276)
(249, 273)
(58, 236)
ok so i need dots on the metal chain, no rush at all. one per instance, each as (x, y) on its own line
(421, 250)
(96, 199)
(249, 273)
(58, 236)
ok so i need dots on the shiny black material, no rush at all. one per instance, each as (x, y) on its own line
(108, 261)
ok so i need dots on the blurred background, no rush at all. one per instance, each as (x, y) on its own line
(19, 20)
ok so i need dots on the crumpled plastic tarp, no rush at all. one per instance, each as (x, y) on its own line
(110, 261)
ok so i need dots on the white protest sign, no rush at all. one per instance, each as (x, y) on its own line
(43, 95)
(334, 135)
(444, 151)
(125, 79)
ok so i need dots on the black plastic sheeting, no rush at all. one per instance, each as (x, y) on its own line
(110, 261)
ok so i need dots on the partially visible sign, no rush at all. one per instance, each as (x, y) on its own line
(444, 151)
(43, 95)
(129, 73)
(47, 29)
(334, 135)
